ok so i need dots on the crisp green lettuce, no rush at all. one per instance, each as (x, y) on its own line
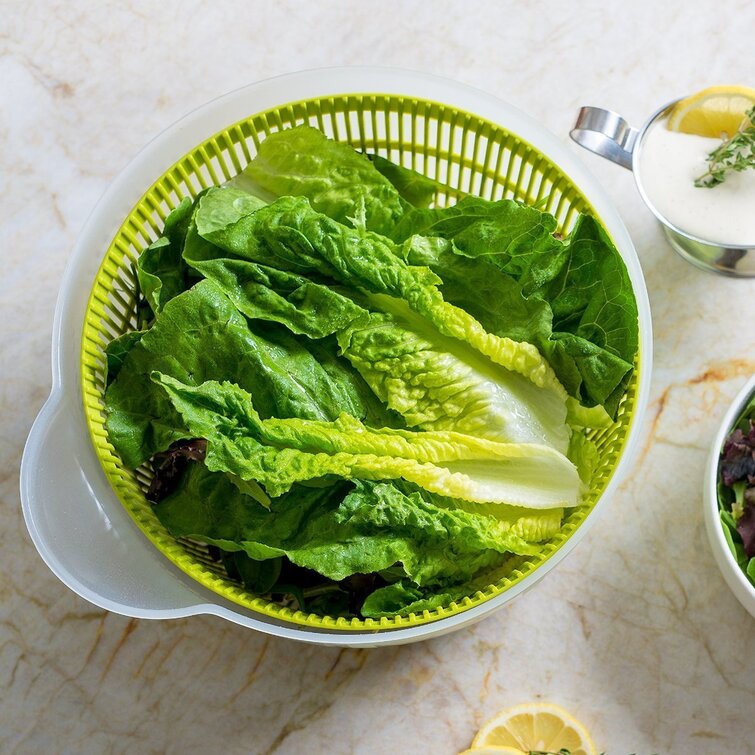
(278, 453)
(343, 529)
(441, 383)
(405, 596)
(592, 299)
(160, 268)
(584, 454)
(303, 162)
(116, 351)
(589, 372)
(517, 238)
(572, 299)
(222, 207)
(582, 416)
(435, 381)
(289, 235)
(482, 289)
(200, 335)
(418, 190)
(265, 293)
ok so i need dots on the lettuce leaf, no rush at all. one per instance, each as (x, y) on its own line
(404, 596)
(222, 206)
(589, 372)
(573, 299)
(441, 383)
(416, 188)
(278, 453)
(303, 162)
(200, 335)
(516, 238)
(289, 235)
(482, 289)
(343, 529)
(116, 351)
(160, 268)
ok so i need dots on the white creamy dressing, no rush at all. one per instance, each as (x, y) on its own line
(669, 164)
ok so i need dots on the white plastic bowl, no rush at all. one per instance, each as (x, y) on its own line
(733, 575)
(74, 517)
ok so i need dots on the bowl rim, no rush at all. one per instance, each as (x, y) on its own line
(168, 146)
(736, 579)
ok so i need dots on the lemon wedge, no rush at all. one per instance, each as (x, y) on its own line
(715, 112)
(535, 726)
(494, 750)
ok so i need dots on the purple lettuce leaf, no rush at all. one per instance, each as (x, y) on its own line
(738, 457)
(169, 466)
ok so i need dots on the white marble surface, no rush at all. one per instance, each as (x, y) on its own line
(636, 632)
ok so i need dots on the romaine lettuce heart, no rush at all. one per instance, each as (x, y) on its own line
(441, 383)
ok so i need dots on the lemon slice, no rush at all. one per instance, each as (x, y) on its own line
(494, 750)
(535, 726)
(714, 112)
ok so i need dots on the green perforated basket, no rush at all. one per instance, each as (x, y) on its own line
(465, 153)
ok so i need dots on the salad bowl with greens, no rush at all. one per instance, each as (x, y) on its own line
(730, 497)
(364, 363)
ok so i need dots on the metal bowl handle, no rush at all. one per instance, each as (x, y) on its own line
(606, 134)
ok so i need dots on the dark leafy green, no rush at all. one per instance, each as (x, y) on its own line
(341, 530)
(516, 238)
(257, 576)
(260, 290)
(160, 269)
(116, 350)
(404, 597)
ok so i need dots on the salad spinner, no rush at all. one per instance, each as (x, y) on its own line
(88, 515)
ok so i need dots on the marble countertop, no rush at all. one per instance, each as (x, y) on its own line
(635, 633)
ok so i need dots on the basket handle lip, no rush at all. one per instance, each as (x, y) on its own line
(91, 545)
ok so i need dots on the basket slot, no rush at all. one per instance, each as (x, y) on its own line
(214, 164)
(231, 162)
(190, 182)
(341, 126)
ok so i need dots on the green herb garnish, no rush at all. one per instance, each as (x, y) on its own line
(735, 154)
